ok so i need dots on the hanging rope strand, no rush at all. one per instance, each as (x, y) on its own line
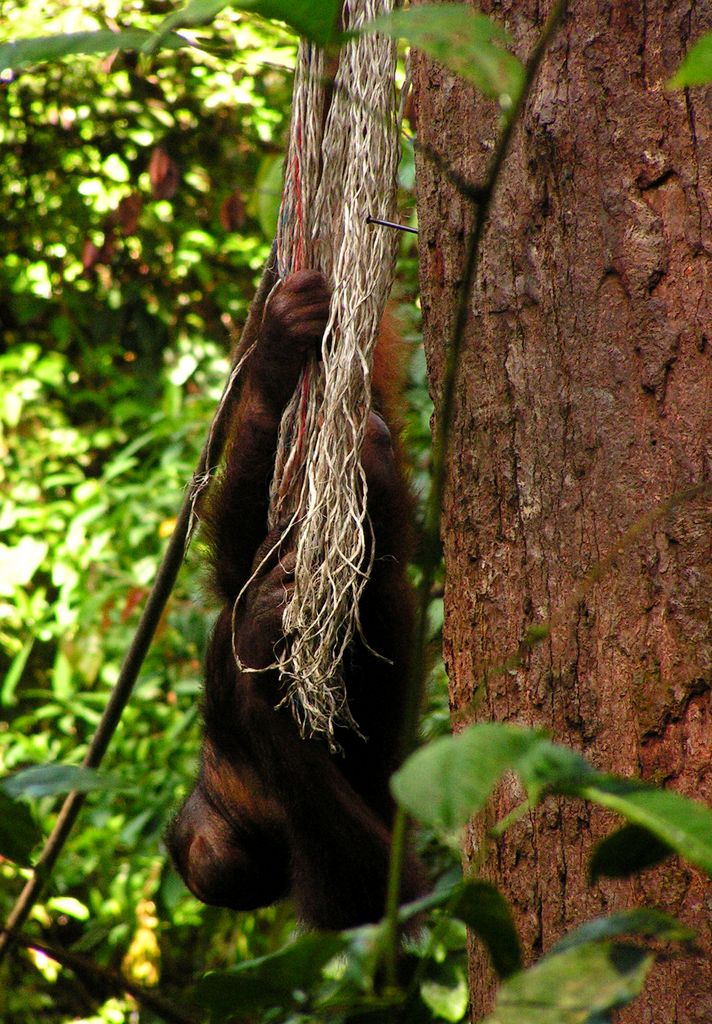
(319, 482)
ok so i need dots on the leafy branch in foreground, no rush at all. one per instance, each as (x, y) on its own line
(467, 42)
(451, 779)
(18, 832)
(596, 968)
(314, 21)
(593, 970)
(24, 53)
(317, 22)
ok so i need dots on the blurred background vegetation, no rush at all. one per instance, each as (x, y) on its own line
(138, 199)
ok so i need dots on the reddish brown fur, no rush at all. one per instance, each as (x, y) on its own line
(389, 372)
(272, 814)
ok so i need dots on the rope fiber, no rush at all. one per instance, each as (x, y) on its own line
(341, 168)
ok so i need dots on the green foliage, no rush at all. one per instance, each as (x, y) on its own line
(194, 14)
(448, 781)
(277, 980)
(484, 909)
(19, 833)
(469, 43)
(684, 825)
(24, 53)
(696, 68)
(582, 985)
(337, 977)
(315, 22)
(642, 921)
(50, 779)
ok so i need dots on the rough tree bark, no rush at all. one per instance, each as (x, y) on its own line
(584, 404)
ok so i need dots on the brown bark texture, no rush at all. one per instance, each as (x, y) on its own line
(583, 415)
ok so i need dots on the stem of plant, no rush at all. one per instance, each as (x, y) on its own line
(510, 819)
(150, 617)
(482, 201)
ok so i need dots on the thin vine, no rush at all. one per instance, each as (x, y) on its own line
(481, 199)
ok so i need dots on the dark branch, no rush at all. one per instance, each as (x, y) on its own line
(112, 980)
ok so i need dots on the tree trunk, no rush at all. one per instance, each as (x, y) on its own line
(582, 423)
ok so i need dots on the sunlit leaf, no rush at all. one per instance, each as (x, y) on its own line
(467, 42)
(23, 53)
(696, 68)
(268, 194)
(18, 832)
(446, 782)
(577, 986)
(14, 673)
(447, 997)
(70, 906)
(19, 563)
(314, 21)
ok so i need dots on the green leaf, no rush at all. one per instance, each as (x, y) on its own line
(24, 53)
(70, 906)
(627, 851)
(574, 987)
(194, 14)
(446, 782)
(268, 194)
(442, 895)
(14, 673)
(20, 562)
(18, 832)
(481, 906)
(464, 41)
(643, 921)
(314, 21)
(447, 997)
(696, 68)
(50, 779)
(269, 981)
(549, 766)
(683, 824)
